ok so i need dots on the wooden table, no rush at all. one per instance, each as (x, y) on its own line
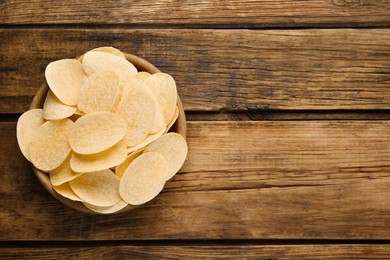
(288, 107)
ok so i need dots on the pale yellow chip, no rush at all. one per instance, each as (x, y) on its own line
(49, 146)
(173, 120)
(63, 173)
(111, 50)
(54, 109)
(66, 191)
(142, 75)
(148, 140)
(138, 108)
(99, 161)
(27, 124)
(97, 188)
(107, 210)
(159, 120)
(99, 92)
(174, 148)
(96, 132)
(95, 61)
(144, 178)
(121, 168)
(163, 86)
(65, 78)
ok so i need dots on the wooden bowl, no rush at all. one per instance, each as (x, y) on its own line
(39, 99)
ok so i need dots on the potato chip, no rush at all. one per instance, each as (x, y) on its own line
(96, 132)
(111, 50)
(174, 148)
(138, 108)
(159, 121)
(121, 168)
(65, 78)
(97, 188)
(49, 145)
(66, 191)
(54, 109)
(27, 124)
(107, 210)
(63, 173)
(173, 120)
(144, 178)
(99, 92)
(94, 62)
(163, 86)
(148, 140)
(142, 75)
(99, 161)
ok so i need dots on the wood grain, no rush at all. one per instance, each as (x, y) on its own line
(347, 251)
(241, 180)
(221, 70)
(231, 13)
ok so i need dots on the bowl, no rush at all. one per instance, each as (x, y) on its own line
(37, 102)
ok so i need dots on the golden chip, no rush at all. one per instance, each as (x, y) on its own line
(111, 50)
(49, 146)
(96, 132)
(63, 173)
(142, 75)
(95, 61)
(148, 140)
(54, 109)
(174, 148)
(97, 188)
(99, 161)
(159, 121)
(173, 120)
(138, 108)
(121, 168)
(99, 92)
(163, 86)
(66, 191)
(27, 124)
(144, 178)
(107, 210)
(65, 78)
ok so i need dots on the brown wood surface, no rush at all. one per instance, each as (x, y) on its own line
(229, 70)
(242, 180)
(348, 251)
(231, 13)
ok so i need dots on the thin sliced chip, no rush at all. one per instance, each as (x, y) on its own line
(173, 120)
(99, 92)
(66, 191)
(142, 75)
(97, 188)
(27, 124)
(143, 180)
(148, 140)
(63, 173)
(163, 86)
(65, 78)
(174, 148)
(111, 50)
(107, 210)
(138, 108)
(54, 109)
(49, 146)
(159, 121)
(95, 61)
(96, 132)
(99, 161)
(121, 168)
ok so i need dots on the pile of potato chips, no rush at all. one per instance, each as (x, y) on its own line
(102, 134)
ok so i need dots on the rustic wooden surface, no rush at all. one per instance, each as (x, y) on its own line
(288, 105)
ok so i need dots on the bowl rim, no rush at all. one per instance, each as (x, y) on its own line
(180, 126)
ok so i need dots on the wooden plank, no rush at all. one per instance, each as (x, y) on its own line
(347, 251)
(231, 13)
(242, 180)
(226, 70)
